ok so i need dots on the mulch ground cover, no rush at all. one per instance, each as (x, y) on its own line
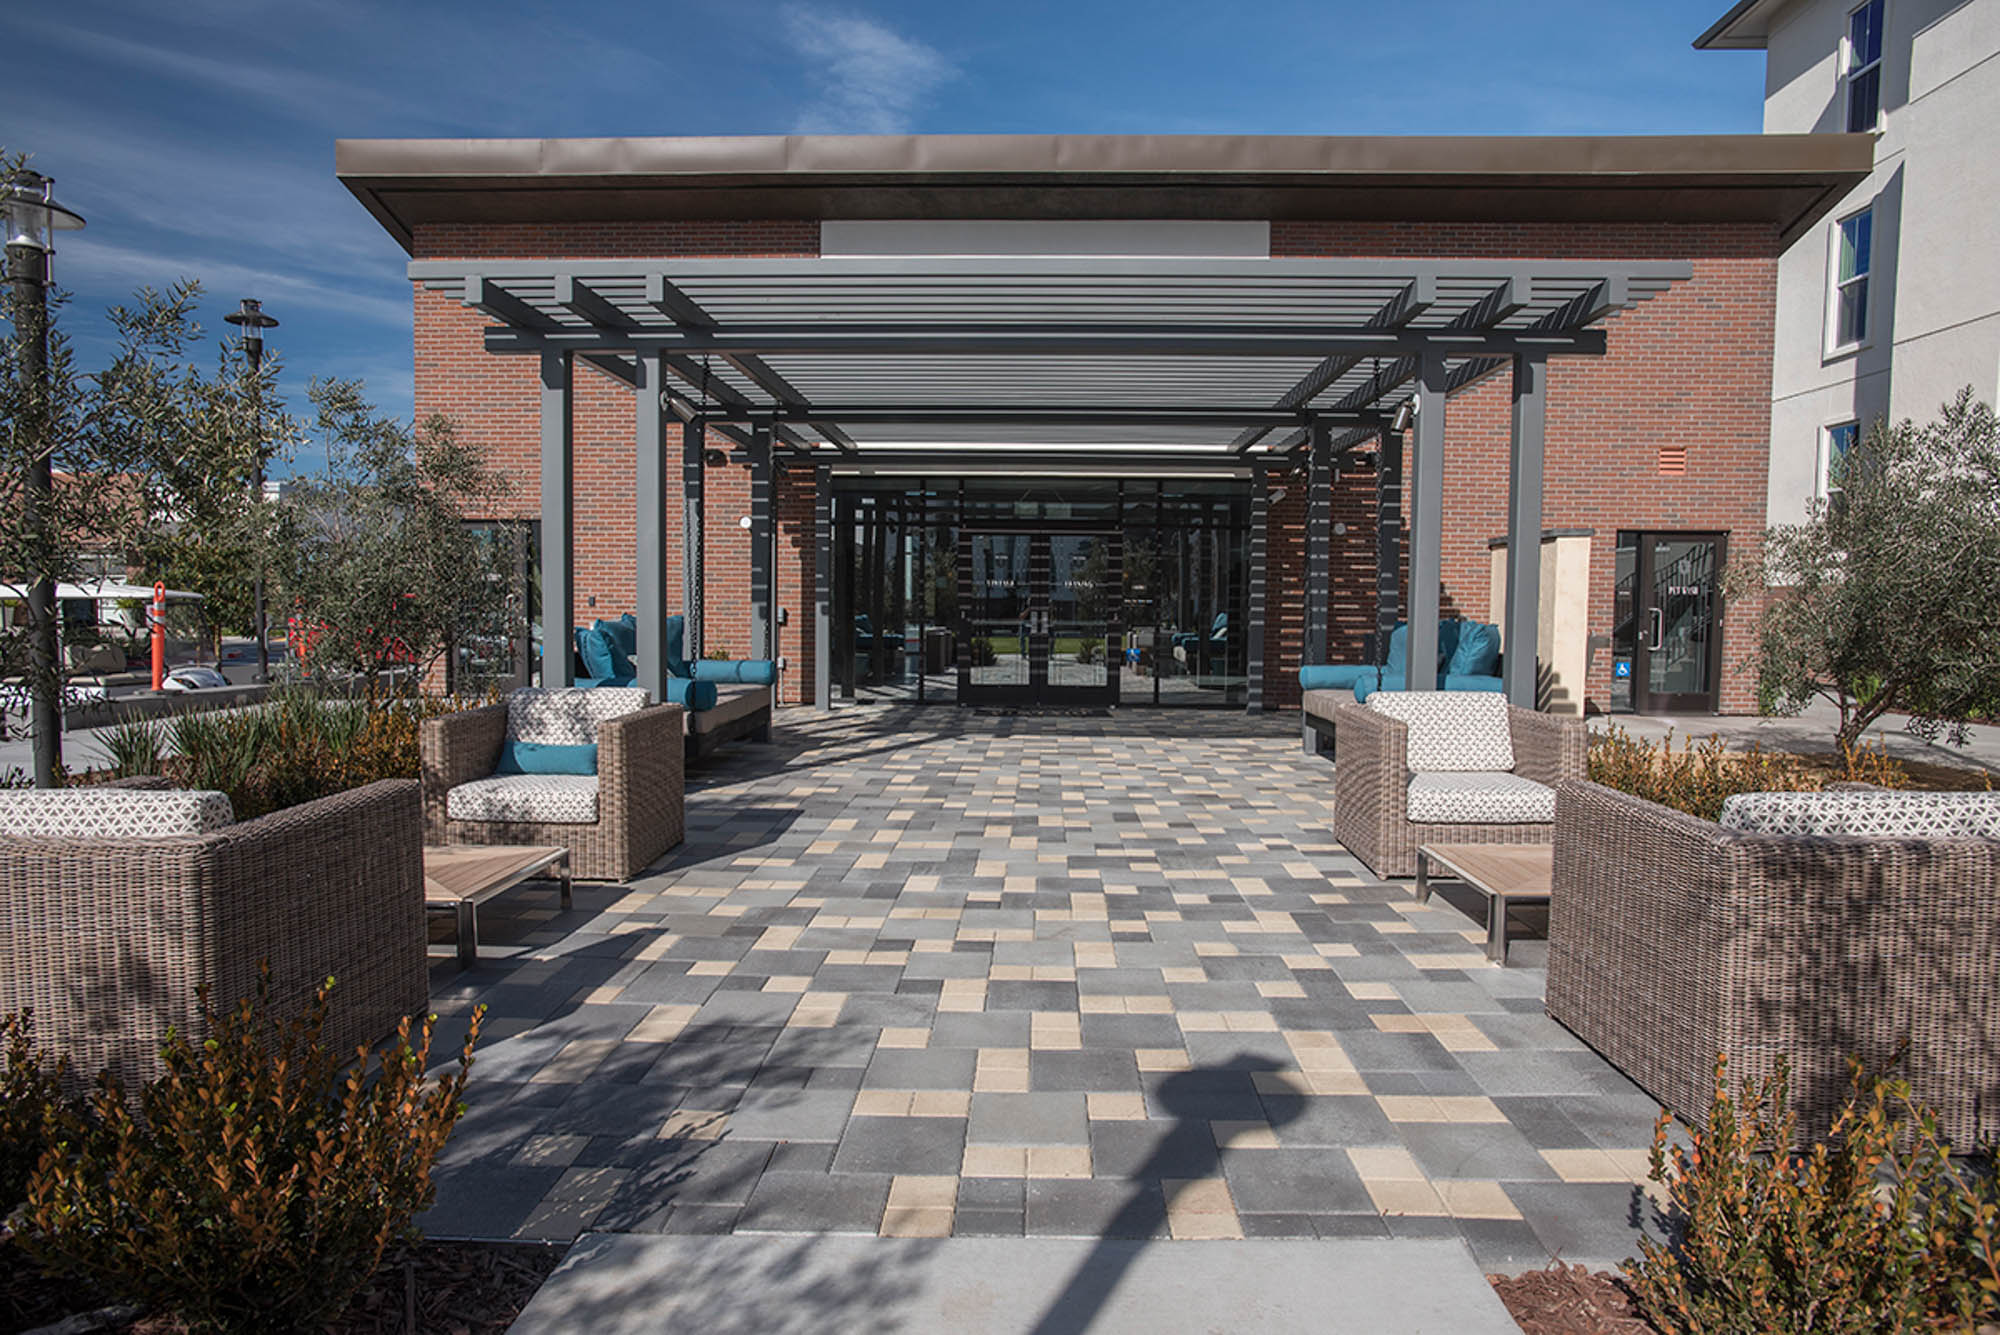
(1570, 1300)
(454, 1288)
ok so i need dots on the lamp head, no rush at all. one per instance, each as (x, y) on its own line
(30, 212)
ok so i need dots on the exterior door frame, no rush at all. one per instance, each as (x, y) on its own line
(1038, 692)
(1646, 618)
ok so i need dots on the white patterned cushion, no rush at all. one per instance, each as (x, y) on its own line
(1466, 798)
(567, 715)
(113, 813)
(1878, 814)
(543, 799)
(1451, 730)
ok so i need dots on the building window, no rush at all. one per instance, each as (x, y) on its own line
(1864, 67)
(1853, 242)
(1835, 442)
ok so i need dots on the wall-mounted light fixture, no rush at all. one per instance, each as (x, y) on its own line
(1406, 414)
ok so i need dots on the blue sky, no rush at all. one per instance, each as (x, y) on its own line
(197, 136)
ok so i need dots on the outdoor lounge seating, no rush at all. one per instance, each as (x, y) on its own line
(1468, 660)
(1812, 926)
(724, 699)
(118, 903)
(593, 771)
(1446, 767)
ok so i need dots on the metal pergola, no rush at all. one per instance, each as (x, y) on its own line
(937, 364)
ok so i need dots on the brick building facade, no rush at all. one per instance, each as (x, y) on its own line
(1668, 430)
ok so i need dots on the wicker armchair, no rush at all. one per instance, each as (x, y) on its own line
(1371, 780)
(639, 790)
(1672, 939)
(108, 939)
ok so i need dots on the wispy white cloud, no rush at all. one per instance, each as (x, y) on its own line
(282, 86)
(82, 260)
(868, 79)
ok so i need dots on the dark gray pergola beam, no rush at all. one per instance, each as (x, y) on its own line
(615, 366)
(587, 304)
(1500, 303)
(558, 512)
(694, 445)
(763, 600)
(1524, 532)
(1416, 298)
(948, 340)
(1227, 272)
(1426, 528)
(677, 306)
(489, 298)
(649, 512)
(1044, 415)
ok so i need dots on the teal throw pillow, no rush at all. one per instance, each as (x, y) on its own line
(547, 758)
(624, 643)
(600, 655)
(1477, 653)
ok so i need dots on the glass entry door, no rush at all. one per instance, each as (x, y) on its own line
(1039, 617)
(1668, 642)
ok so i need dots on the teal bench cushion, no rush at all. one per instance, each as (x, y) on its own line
(1477, 653)
(1331, 676)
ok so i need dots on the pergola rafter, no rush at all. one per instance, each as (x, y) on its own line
(1059, 364)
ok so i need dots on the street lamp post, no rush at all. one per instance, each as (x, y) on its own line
(30, 215)
(253, 322)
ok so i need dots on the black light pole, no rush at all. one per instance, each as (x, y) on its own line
(253, 322)
(30, 216)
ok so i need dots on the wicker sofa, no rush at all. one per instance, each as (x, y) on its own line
(1483, 741)
(632, 813)
(1673, 939)
(108, 930)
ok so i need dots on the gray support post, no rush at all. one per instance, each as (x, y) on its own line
(822, 588)
(1427, 525)
(1524, 531)
(763, 613)
(694, 439)
(1319, 543)
(649, 429)
(558, 515)
(1260, 511)
(1388, 541)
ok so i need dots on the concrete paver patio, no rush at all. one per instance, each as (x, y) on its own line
(928, 973)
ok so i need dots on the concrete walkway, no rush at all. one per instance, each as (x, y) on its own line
(770, 1285)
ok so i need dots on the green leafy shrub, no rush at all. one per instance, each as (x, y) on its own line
(1698, 776)
(254, 1185)
(30, 1098)
(1874, 1229)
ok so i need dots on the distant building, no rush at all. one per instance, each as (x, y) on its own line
(1890, 304)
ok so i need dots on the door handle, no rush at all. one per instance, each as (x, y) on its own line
(1659, 629)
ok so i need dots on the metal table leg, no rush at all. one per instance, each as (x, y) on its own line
(1496, 929)
(1423, 879)
(562, 870)
(468, 934)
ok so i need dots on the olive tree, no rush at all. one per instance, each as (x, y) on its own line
(1887, 597)
(373, 556)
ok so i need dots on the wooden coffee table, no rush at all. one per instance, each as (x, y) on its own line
(1507, 874)
(458, 878)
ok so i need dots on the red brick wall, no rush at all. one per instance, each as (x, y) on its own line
(495, 401)
(1690, 367)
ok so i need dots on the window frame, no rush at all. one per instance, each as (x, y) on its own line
(1836, 286)
(1825, 488)
(1851, 71)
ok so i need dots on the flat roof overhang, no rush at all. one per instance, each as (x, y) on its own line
(1785, 181)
